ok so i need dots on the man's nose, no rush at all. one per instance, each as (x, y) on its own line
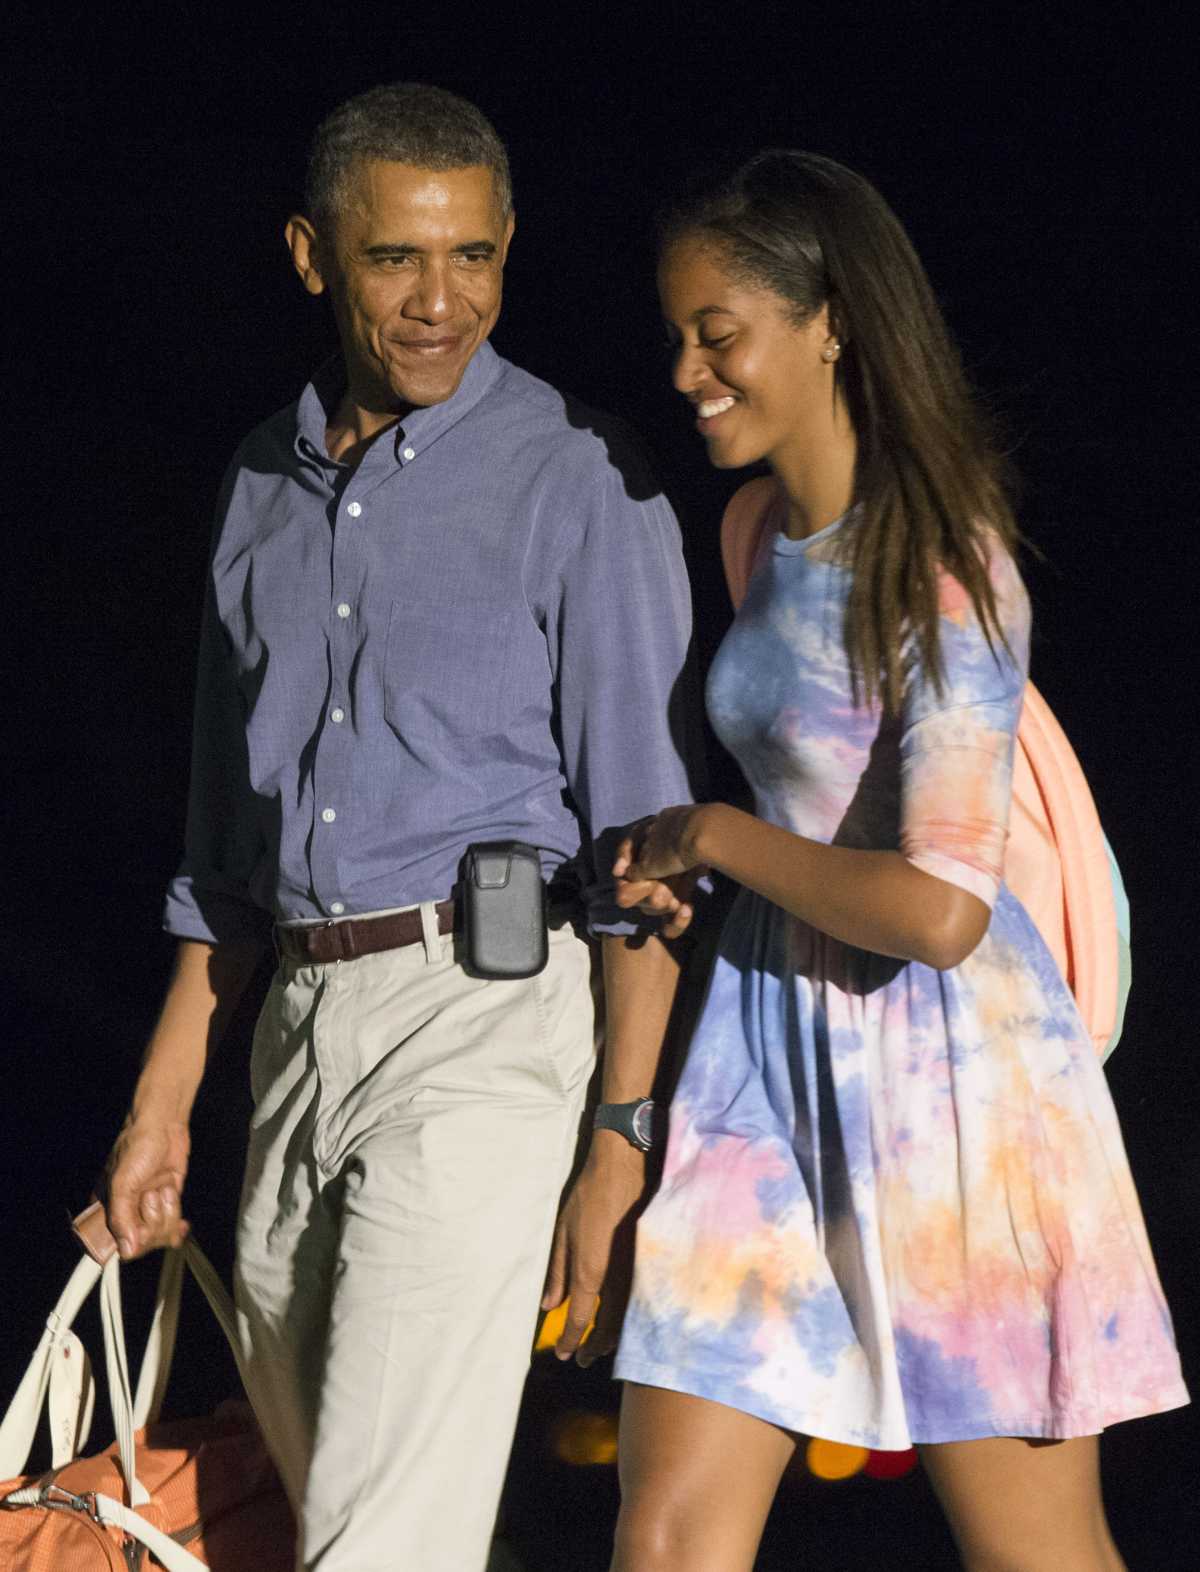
(433, 298)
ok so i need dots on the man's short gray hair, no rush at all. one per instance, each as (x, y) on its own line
(402, 123)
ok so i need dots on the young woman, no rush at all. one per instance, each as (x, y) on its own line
(895, 1207)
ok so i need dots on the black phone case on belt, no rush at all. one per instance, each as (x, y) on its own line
(504, 909)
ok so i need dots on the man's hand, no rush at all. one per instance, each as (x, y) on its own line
(592, 1258)
(143, 1185)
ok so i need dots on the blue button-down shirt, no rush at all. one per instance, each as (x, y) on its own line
(477, 633)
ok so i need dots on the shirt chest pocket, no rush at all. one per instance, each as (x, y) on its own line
(457, 679)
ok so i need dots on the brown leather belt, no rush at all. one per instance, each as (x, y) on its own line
(318, 943)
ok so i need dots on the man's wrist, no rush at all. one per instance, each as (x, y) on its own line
(609, 1150)
(161, 1102)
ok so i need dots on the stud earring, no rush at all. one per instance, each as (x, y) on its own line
(831, 351)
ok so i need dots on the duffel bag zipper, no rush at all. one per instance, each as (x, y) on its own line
(57, 1498)
(128, 1558)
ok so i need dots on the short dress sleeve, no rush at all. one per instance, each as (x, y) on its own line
(956, 745)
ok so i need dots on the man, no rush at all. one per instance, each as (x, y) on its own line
(445, 606)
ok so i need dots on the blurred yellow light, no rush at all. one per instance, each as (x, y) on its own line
(551, 1328)
(832, 1460)
(585, 1439)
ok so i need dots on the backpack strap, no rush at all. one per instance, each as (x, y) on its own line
(1075, 906)
(1057, 861)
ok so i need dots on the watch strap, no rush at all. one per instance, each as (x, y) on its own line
(642, 1122)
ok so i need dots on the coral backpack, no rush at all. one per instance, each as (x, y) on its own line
(1058, 862)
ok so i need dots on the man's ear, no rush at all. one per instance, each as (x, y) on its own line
(301, 240)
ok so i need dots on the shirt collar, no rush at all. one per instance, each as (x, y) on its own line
(419, 428)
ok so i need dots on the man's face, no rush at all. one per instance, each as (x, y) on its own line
(414, 264)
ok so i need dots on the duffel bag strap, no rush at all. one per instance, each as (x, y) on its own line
(117, 1367)
(165, 1550)
(160, 1344)
(101, 1264)
(219, 1301)
(20, 1423)
(107, 1510)
(91, 1228)
(92, 1231)
(130, 1414)
(72, 1400)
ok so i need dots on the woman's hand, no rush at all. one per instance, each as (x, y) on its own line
(656, 868)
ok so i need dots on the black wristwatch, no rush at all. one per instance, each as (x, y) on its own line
(642, 1123)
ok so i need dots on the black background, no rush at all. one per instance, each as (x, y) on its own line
(1039, 156)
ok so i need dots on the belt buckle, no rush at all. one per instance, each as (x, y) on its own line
(343, 943)
(329, 927)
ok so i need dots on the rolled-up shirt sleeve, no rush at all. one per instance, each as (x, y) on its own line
(619, 640)
(956, 745)
(219, 891)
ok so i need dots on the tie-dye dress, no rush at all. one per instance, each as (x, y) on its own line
(896, 1207)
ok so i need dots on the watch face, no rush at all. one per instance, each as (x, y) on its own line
(643, 1124)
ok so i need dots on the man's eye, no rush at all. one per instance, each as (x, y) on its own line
(475, 256)
(716, 343)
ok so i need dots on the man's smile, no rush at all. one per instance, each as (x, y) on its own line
(444, 344)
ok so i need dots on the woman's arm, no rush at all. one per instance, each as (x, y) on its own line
(928, 900)
(876, 900)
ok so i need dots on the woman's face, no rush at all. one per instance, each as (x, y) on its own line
(760, 385)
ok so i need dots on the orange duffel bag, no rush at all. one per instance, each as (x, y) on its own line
(193, 1495)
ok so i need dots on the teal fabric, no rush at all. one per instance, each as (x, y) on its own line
(1124, 949)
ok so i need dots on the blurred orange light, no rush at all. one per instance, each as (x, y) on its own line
(832, 1460)
(890, 1465)
(585, 1439)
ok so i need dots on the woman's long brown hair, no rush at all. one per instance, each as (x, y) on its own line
(929, 483)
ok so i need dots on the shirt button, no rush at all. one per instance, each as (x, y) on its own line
(329, 815)
(354, 509)
(409, 454)
(336, 908)
(343, 609)
(337, 716)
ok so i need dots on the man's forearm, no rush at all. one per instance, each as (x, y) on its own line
(594, 1239)
(205, 987)
(147, 1167)
(640, 982)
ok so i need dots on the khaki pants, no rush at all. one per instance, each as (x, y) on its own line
(413, 1128)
